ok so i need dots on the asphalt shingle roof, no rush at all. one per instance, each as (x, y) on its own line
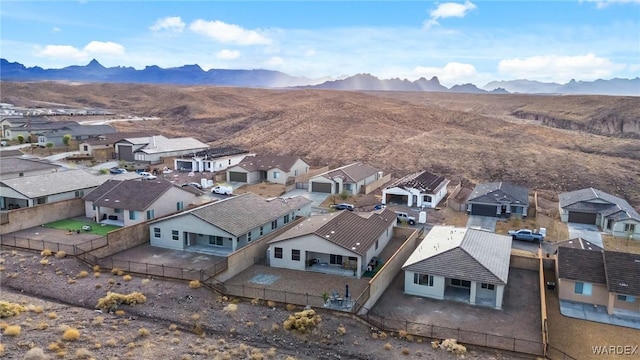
(623, 272)
(462, 253)
(578, 243)
(115, 137)
(581, 265)
(159, 144)
(579, 200)
(268, 162)
(54, 183)
(425, 181)
(18, 165)
(351, 173)
(493, 193)
(135, 195)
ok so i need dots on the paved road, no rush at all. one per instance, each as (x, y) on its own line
(585, 231)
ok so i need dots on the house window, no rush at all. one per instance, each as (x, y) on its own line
(423, 279)
(156, 232)
(609, 224)
(426, 198)
(630, 228)
(21, 174)
(216, 240)
(175, 235)
(295, 255)
(179, 205)
(116, 210)
(488, 286)
(86, 147)
(79, 193)
(295, 172)
(249, 236)
(461, 283)
(582, 288)
(276, 174)
(150, 214)
(261, 230)
(377, 242)
(347, 187)
(133, 215)
(286, 218)
(93, 207)
(277, 253)
(627, 298)
(335, 259)
(274, 224)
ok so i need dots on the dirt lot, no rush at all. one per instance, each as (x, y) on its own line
(145, 331)
(266, 190)
(621, 244)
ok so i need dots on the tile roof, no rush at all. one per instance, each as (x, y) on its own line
(581, 265)
(623, 272)
(135, 195)
(10, 153)
(268, 162)
(115, 137)
(158, 144)
(352, 173)
(44, 125)
(17, 165)
(356, 232)
(54, 183)
(494, 192)
(462, 253)
(615, 209)
(214, 153)
(239, 214)
(424, 181)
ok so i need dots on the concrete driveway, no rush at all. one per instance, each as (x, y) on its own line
(586, 231)
(484, 222)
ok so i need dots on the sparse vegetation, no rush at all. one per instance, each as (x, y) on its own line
(127, 277)
(61, 255)
(231, 308)
(12, 330)
(195, 284)
(83, 274)
(302, 321)
(341, 330)
(71, 334)
(113, 300)
(35, 353)
(8, 309)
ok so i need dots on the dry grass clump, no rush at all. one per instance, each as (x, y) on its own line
(96, 275)
(231, 308)
(255, 301)
(275, 327)
(83, 353)
(173, 327)
(291, 307)
(451, 345)
(271, 304)
(54, 347)
(42, 325)
(111, 342)
(405, 351)
(119, 312)
(12, 330)
(61, 255)
(113, 300)
(46, 252)
(35, 308)
(44, 262)
(8, 309)
(35, 353)
(1, 349)
(83, 274)
(341, 330)
(142, 332)
(195, 284)
(271, 353)
(144, 281)
(117, 271)
(71, 334)
(302, 321)
(388, 346)
(127, 277)
(97, 321)
(95, 268)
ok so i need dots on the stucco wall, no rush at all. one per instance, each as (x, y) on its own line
(618, 229)
(624, 305)
(122, 239)
(308, 243)
(185, 223)
(599, 293)
(436, 291)
(27, 217)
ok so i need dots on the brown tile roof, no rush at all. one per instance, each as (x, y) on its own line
(623, 272)
(129, 194)
(346, 229)
(239, 214)
(351, 173)
(268, 162)
(581, 265)
(425, 181)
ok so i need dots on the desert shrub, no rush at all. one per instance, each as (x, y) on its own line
(83, 353)
(12, 330)
(173, 327)
(97, 321)
(61, 255)
(8, 309)
(341, 330)
(249, 324)
(119, 312)
(35, 353)
(256, 354)
(275, 327)
(111, 342)
(127, 277)
(291, 307)
(302, 321)
(111, 281)
(113, 300)
(231, 308)
(255, 301)
(44, 262)
(35, 308)
(96, 275)
(195, 284)
(142, 332)
(71, 334)
(271, 304)
(1, 349)
(405, 351)
(42, 325)
(451, 345)
(388, 346)
(95, 268)
(46, 252)
(145, 281)
(54, 346)
(83, 274)
(98, 286)
(71, 281)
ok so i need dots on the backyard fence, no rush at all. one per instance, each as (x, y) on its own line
(70, 249)
(285, 297)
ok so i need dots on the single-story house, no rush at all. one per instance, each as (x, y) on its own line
(271, 168)
(338, 243)
(421, 189)
(214, 159)
(349, 179)
(498, 199)
(591, 206)
(28, 127)
(130, 202)
(47, 188)
(460, 264)
(102, 147)
(225, 226)
(601, 278)
(77, 133)
(153, 149)
(14, 167)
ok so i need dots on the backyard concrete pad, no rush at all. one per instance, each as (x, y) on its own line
(484, 222)
(154, 255)
(598, 314)
(519, 318)
(586, 231)
(50, 235)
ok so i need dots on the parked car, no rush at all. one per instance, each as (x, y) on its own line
(344, 206)
(224, 190)
(193, 184)
(147, 175)
(526, 235)
(117, 170)
(405, 217)
(4, 142)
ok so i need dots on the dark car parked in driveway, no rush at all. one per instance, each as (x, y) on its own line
(344, 206)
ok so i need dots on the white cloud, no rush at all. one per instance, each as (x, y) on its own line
(452, 73)
(274, 61)
(601, 4)
(559, 68)
(228, 33)
(310, 52)
(227, 54)
(171, 23)
(99, 47)
(447, 10)
(56, 29)
(61, 52)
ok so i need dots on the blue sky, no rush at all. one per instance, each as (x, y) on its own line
(458, 41)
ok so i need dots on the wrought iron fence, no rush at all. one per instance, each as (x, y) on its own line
(71, 249)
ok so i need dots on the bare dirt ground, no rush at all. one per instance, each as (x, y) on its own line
(175, 322)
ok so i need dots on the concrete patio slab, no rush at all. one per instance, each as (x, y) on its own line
(597, 314)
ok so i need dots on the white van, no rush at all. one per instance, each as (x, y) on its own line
(147, 175)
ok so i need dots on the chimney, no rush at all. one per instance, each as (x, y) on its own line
(153, 139)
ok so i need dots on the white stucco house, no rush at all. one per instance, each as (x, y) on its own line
(341, 243)
(270, 168)
(153, 149)
(130, 202)
(225, 226)
(591, 206)
(349, 179)
(421, 189)
(214, 159)
(460, 264)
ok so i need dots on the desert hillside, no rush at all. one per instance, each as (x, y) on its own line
(477, 137)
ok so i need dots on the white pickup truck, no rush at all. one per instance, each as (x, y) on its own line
(405, 217)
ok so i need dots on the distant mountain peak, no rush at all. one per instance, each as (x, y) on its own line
(94, 64)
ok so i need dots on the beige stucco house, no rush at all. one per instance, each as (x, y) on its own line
(348, 179)
(270, 168)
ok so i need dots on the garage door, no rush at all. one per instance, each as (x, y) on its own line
(238, 176)
(582, 218)
(484, 210)
(321, 187)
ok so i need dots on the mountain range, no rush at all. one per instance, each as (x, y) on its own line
(260, 78)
